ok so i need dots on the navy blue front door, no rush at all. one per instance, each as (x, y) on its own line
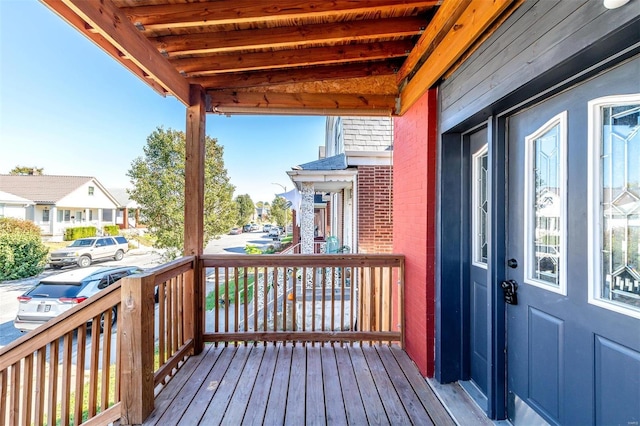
(476, 362)
(573, 250)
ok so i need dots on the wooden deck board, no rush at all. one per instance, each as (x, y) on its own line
(284, 384)
(332, 390)
(204, 394)
(260, 395)
(351, 395)
(277, 404)
(429, 400)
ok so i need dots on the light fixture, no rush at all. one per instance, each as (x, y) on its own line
(614, 4)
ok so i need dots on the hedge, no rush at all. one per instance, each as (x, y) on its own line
(71, 234)
(22, 253)
(111, 230)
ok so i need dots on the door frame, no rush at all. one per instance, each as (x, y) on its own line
(454, 257)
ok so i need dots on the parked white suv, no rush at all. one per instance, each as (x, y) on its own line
(85, 250)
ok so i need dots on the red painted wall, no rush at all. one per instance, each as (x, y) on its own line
(414, 193)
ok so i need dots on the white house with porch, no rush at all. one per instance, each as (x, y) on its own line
(55, 203)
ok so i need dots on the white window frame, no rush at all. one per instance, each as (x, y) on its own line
(529, 221)
(475, 219)
(594, 200)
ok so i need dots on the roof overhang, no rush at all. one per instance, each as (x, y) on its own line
(324, 181)
(344, 57)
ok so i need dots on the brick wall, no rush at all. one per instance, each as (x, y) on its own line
(375, 209)
(414, 187)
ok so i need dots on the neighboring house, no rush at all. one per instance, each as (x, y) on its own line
(351, 185)
(126, 209)
(13, 206)
(60, 202)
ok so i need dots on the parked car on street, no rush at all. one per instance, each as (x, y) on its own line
(84, 251)
(246, 228)
(235, 231)
(254, 227)
(275, 232)
(266, 227)
(56, 294)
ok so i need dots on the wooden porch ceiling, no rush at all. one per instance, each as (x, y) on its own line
(341, 57)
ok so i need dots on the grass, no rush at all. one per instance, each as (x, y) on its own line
(212, 298)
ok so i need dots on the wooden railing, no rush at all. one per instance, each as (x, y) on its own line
(66, 372)
(304, 298)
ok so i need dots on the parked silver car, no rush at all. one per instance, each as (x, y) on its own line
(56, 294)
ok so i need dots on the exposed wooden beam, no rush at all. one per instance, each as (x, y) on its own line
(468, 27)
(242, 11)
(79, 24)
(282, 37)
(109, 22)
(291, 58)
(302, 75)
(447, 14)
(300, 103)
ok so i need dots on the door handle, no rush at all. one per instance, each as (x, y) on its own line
(509, 290)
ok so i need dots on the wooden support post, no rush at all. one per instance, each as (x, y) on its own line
(194, 205)
(136, 328)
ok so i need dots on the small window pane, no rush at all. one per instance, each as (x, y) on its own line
(545, 205)
(45, 215)
(620, 204)
(480, 206)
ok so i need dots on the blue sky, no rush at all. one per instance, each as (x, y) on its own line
(67, 107)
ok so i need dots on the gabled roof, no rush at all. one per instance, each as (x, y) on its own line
(337, 162)
(8, 198)
(120, 194)
(44, 189)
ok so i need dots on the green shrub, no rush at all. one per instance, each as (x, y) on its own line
(111, 230)
(71, 234)
(22, 253)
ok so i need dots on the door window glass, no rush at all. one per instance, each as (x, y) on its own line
(480, 206)
(545, 205)
(615, 219)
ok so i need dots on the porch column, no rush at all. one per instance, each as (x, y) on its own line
(194, 211)
(53, 217)
(306, 218)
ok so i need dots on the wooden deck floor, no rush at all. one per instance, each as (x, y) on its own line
(299, 385)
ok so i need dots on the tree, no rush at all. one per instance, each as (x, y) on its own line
(280, 211)
(22, 253)
(158, 187)
(25, 171)
(245, 208)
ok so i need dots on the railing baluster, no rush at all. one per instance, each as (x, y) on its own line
(53, 381)
(41, 387)
(333, 298)
(342, 299)
(81, 346)
(14, 400)
(236, 298)
(180, 327)
(93, 371)
(265, 290)
(3, 397)
(106, 364)
(303, 286)
(294, 299)
(67, 354)
(162, 320)
(275, 299)
(245, 300)
(216, 299)
(226, 301)
(256, 284)
(27, 389)
(175, 315)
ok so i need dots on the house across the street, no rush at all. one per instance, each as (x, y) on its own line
(55, 203)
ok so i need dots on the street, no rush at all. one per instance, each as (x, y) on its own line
(143, 257)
